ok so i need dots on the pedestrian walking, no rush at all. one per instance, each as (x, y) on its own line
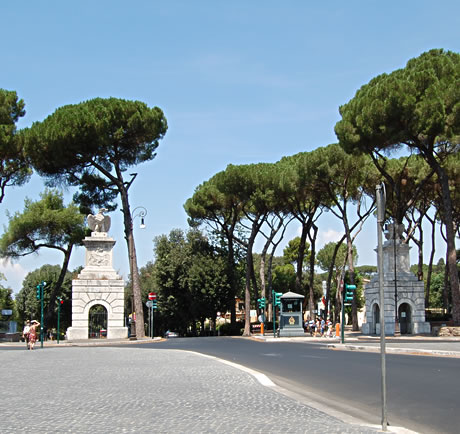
(33, 333)
(312, 327)
(25, 333)
(329, 328)
(323, 325)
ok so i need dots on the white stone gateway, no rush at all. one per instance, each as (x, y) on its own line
(98, 284)
(410, 292)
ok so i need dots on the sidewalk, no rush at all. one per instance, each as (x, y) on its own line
(81, 343)
(404, 344)
(109, 389)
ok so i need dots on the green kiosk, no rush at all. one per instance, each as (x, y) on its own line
(291, 315)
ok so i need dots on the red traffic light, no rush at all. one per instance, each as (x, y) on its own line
(62, 302)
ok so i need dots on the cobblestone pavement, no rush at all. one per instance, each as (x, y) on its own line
(119, 390)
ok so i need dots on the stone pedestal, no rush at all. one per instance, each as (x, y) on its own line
(98, 284)
(410, 294)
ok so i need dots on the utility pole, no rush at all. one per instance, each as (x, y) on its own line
(41, 296)
(381, 199)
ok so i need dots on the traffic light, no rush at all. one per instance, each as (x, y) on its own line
(40, 290)
(261, 302)
(349, 292)
(60, 300)
(277, 299)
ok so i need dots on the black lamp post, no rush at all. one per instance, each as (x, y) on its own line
(141, 212)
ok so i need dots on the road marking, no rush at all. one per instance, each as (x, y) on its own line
(313, 357)
(261, 378)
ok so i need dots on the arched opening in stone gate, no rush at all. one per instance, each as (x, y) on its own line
(97, 322)
(405, 319)
(376, 318)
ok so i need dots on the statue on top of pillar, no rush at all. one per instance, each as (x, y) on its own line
(99, 222)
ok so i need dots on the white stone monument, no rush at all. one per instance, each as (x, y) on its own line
(410, 292)
(98, 284)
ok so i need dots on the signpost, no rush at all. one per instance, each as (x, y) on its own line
(152, 305)
(41, 296)
(60, 302)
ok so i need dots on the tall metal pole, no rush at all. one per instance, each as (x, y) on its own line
(153, 322)
(59, 319)
(274, 313)
(342, 322)
(42, 296)
(395, 225)
(380, 195)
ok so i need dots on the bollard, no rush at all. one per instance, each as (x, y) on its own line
(337, 330)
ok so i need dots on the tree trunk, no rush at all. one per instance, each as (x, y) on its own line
(50, 311)
(430, 265)
(300, 257)
(351, 269)
(330, 273)
(420, 253)
(445, 289)
(256, 224)
(232, 278)
(128, 226)
(450, 235)
(312, 267)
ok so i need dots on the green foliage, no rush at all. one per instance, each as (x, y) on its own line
(43, 223)
(436, 288)
(408, 106)
(29, 307)
(191, 280)
(284, 278)
(228, 329)
(92, 143)
(325, 256)
(7, 302)
(291, 252)
(366, 270)
(14, 169)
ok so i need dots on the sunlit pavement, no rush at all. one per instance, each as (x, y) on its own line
(127, 389)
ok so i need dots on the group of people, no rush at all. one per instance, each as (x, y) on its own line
(29, 333)
(320, 327)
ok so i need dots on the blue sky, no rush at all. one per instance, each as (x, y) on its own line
(239, 82)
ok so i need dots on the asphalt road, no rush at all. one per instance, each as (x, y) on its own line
(422, 392)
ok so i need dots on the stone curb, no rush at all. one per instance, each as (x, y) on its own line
(85, 343)
(408, 351)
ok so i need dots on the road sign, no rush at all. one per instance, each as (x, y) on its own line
(149, 303)
(152, 295)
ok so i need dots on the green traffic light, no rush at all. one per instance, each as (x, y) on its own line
(349, 292)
